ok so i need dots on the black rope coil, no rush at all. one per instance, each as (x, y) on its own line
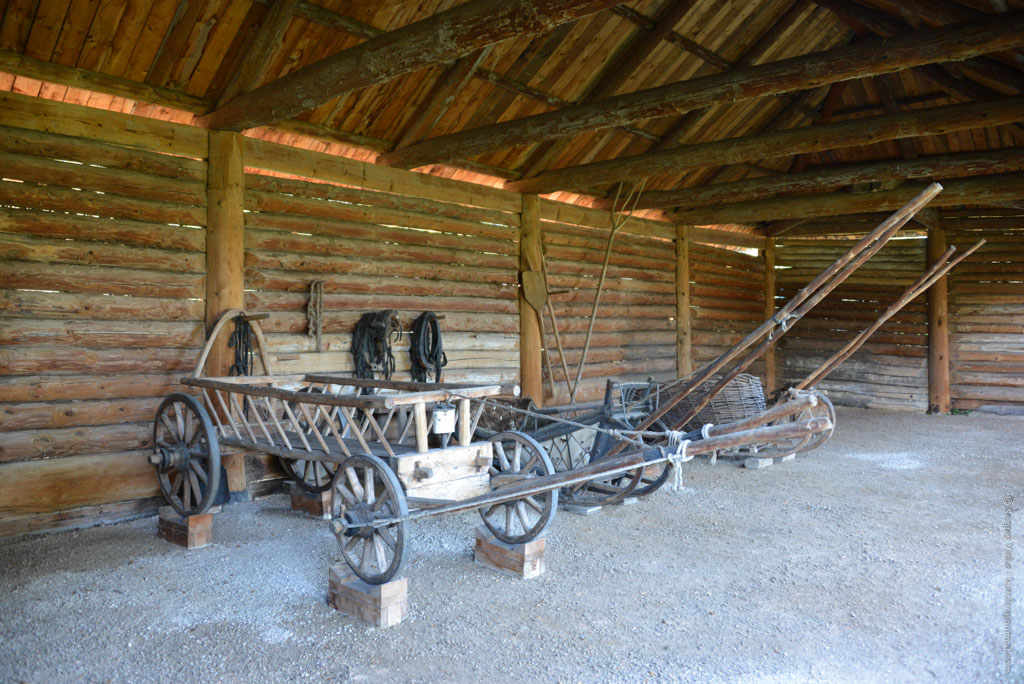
(426, 348)
(241, 340)
(371, 344)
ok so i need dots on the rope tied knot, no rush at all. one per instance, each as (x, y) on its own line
(677, 441)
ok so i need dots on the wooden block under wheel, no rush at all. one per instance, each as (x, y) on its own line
(192, 532)
(522, 560)
(382, 605)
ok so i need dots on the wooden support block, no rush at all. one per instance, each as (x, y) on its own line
(382, 605)
(522, 560)
(316, 505)
(193, 532)
(783, 459)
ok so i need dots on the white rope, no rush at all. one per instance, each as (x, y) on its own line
(678, 457)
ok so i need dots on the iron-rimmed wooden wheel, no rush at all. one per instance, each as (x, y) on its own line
(186, 454)
(312, 476)
(609, 490)
(824, 409)
(521, 520)
(365, 491)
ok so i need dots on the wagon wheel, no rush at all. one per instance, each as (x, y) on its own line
(364, 491)
(522, 520)
(608, 490)
(186, 454)
(313, 476)
(653, 477)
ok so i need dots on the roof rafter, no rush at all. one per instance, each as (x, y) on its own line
(799, 73)
(440, 38)
(851, 133)
(1003, 187)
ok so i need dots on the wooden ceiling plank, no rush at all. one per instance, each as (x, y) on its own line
(442, 37)
(159, 21)
(436, 104)
(851, 133)
(99, 40)
(634, 51)
(833, 177)
(73, 32)
(799, 73)
(258, 54)
(42, 37)
(16, 24)
(1004, 187)
(174, 40)
(209, 55)
(672, 36)
(126, 36)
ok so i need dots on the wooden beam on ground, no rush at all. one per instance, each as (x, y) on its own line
(770, 356)
(938, 328)
(442, 37)
(799, 73)
(430, 111)
(684, 336)
(267, 39)
(824, 178)
(852, 133)
(530, 342)
(225, 253)
(1003, 187)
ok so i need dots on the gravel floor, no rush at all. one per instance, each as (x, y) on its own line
(879, 557)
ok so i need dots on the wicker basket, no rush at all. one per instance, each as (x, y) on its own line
(741, 398)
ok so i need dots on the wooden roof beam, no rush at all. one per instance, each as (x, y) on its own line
(798, 73)
(691, 46)
(851, 133)
(832, 177)
(443, 37)
(1004, 187)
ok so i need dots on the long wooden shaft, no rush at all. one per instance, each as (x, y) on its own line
(625, 462)
(927, 279)
(828, 278)
(554, 324)
(593, 313)
(768, 343)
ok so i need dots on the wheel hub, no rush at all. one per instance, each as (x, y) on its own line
(358, 520)
(174, 458)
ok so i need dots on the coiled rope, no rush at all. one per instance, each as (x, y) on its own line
(371, 344)
(426, 348)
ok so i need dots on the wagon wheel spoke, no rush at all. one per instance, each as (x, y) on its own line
(502, 458)
(508, 518)
(178, 421)
(521, 514)
(517, 458)
(364, 560)
(171, 431)
(351, 544)
(368, 485)
(378, 551)
(200, 473)
(532, 503)
(353, 480)
(385, 534)
(347, 496)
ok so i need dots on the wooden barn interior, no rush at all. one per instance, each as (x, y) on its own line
(165, 161)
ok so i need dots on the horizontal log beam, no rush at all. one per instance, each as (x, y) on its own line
(825, 178)
(440, 38)
(799, 73)
(1002, 187)
(850, 133)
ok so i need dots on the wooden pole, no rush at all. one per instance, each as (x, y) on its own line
(864, 59)
(225, 227)
(938, 330)
(684, 338)
(530, 343)
(769, 311)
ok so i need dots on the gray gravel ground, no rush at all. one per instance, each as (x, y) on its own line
(878, 558)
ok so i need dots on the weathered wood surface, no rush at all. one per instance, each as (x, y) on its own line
(837, 135)
(799, 73)
(440, 38)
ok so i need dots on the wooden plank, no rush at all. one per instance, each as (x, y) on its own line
(442, 37)
(56, 198)
(309, 164)
(800, 73)
(684, 352)
(530, 342)
(45, 274)
(225, 241)
(124, 234)
(99, 333)
(43, 415)
(37, 114)
(73, 359)
(56, 443)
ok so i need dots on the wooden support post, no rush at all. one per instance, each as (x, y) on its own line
(938, 330)
(769, 311)
(684, 355)
(530, 343)
(316, 505)
(224, 257)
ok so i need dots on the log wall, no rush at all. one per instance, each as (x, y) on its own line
(375, 250)
(986, 314)
(890, 371)
(634, 335)
(726, 301)
(101, 310)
